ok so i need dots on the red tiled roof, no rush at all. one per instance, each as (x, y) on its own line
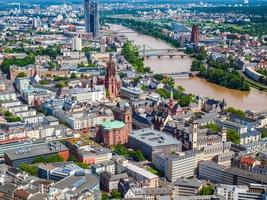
(248, 160)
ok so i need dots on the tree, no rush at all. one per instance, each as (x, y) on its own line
(54, 158)
(59, 85)
(52, 65)
(39, 159)
(180, 88)
(73, 75)
(236, 112)
(82, 165)
(115, 194)
(233, 136)
(158, 77)
(104, 196)
(72, 158)
(213, 127)
(30, 169)
(121, 150)
(206, 190)
(21, 75)
(264, 133)
(138, 155)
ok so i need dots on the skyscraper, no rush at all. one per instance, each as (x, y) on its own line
(91, 14)
(195, 34)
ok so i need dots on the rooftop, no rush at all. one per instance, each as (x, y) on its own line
(115, 124)
(141, 171)
(153, 138)
(77, 183)
(37, 150)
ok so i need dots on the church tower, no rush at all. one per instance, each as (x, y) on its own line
(111, 80)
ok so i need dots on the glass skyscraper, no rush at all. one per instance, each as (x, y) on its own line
(91, 13)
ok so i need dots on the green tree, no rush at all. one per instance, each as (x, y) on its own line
(207, 190)
(236, 112)
(73, 75)
(213, 127)
(138, 155)
(115, 194)
(264, 133)
(121, 150)
(54, 158)
(233, 136)
(158, 77)
(104, 196)
(180, 88)
(72, 158)
(30, 169)
(21, 75)
(39, 159)
(82, 165)
(59, 85)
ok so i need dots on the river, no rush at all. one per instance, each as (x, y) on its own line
(254, 100)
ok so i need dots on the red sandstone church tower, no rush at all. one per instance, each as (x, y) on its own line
(112, 84)
(195, 34)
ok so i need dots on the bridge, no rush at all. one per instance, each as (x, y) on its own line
(167, 52)
(124, 31)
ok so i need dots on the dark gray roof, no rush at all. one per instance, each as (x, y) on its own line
(37, 150)
(7, 188)
(113, 177)
(188, 182)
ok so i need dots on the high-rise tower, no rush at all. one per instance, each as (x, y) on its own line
(91, 14)
(195, 34)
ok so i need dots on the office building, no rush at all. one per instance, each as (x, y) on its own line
(25, 155)
(234, 176)
(108, 166)
(186, 187)
(58, 171)
(139, 174)
(91, 14)
(76, 43)
(236, 192)
(22, 84)
(74, 186)
(150, 141)
(179, 165)
(109, 181)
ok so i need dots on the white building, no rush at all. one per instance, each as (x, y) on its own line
(236, 192)
(8, 96)
(76, 44)
(22, 84)
(88, 94)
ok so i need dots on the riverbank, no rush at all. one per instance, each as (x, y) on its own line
(254, 100)
(253, 83)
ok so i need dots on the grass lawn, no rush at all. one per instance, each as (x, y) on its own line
(153, 170)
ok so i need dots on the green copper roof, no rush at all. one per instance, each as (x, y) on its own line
(112, 124)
